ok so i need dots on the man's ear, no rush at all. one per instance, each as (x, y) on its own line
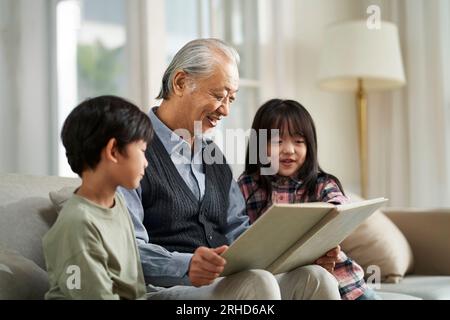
(179, 84)
(111, 150)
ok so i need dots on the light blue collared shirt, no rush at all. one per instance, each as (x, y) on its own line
(162, 267)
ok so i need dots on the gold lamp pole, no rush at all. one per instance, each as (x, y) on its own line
(361, 104)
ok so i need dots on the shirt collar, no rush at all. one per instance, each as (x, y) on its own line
(171, 141)
(282, 180)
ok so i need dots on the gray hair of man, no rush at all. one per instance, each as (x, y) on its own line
(197, 59)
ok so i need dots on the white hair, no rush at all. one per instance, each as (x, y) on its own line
(197, 58)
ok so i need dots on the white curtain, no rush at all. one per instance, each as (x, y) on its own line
(25, 94)
(410, 129)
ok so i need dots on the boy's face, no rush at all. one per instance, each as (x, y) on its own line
(132, 164)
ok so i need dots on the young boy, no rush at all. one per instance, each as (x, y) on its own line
(91, 251)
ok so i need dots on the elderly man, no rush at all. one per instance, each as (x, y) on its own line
(187, 210)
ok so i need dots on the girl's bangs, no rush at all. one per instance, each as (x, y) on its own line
(289, 124)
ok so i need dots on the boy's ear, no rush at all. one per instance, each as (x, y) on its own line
(179, 83)
(111, 150)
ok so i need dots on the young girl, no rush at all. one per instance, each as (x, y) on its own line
(299, 179)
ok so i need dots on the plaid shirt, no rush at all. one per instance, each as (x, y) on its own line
(288, 190)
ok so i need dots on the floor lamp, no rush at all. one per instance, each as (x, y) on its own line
(358, 59)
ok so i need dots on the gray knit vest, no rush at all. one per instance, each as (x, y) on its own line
(173, 216)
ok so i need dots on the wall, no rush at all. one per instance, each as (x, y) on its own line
(299, 43)
(409, 128)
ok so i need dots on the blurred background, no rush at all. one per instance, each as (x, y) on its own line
(56, 53)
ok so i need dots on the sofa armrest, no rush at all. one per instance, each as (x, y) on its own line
(428, 232)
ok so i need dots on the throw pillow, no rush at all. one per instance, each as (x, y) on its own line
(58, 198)
(378, 242)
(21, 278)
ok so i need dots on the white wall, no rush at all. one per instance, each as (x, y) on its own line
(299, 42)
(409, 128)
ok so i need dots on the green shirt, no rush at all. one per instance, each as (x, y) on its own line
(91, 253)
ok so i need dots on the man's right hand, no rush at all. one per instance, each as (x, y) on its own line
(206, 265)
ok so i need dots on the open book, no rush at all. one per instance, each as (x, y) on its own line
(288, 236)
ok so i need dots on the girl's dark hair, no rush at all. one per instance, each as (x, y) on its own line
(89, 127)
(291, 116)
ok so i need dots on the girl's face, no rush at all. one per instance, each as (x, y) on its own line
(289, 152)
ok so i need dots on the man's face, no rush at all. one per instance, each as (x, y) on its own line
(211, 97)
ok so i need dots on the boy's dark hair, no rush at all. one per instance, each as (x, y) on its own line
(291, 116)
(89, 127)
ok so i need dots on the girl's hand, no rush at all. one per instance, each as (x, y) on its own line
(328, 261)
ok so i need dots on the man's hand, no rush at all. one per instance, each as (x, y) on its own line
(328, 261)
(206, 265)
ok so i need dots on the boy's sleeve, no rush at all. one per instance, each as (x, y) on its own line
(86, 277)
(77, 262)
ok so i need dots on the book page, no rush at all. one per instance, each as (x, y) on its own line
(326, 235)
(271, 235)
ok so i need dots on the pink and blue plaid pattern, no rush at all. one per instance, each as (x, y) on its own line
(288, 190)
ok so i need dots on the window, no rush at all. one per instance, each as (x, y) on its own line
(235, 22)
(120, 47)
(91, 56)
(237, 25)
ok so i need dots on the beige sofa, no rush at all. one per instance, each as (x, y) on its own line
(26, 214)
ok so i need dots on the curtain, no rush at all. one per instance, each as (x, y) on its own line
(25, 87)
(409, 130)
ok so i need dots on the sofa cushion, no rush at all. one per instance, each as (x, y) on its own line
(58, 198)
(26, 212)
(24, 223)
(15, 187)
(21, 278)
(427, 230)
(425, 287)
(378, 242)
(395, 296)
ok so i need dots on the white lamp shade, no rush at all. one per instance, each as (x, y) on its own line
(352, 51)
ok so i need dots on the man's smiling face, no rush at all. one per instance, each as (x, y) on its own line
(209, 101)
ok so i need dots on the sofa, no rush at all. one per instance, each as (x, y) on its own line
(26, 213)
